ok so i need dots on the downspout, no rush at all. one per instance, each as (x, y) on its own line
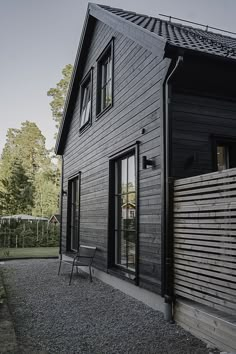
(61, 206)
(168, 256)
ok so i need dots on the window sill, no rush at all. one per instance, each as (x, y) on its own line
(99, 115)
(85, 127)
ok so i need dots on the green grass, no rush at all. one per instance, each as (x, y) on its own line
(29, 252)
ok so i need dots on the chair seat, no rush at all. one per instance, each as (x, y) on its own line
(82, 258)
(77, 263)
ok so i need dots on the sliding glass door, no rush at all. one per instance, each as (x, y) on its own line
(73, 213)
(125, 212)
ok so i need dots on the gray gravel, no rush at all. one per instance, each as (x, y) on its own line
(52, 317)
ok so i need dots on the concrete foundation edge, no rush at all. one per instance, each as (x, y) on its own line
(150, 299)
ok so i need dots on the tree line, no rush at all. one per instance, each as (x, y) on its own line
(29, 173)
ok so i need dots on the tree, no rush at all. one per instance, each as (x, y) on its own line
(28, 175)
(17, 191)
(46, 192)
(27, 145)
(59, 93)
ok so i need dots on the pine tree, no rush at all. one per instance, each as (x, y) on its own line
(59, 93)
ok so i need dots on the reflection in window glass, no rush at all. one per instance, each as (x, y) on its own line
(125, 213)
(105, 81)
(222, 157)
(86, 104)
(74, 199)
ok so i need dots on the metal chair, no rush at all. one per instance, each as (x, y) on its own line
(83, 258)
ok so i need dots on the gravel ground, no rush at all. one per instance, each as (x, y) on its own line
(52, 317)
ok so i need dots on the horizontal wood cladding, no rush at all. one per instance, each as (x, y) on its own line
(205, 240)
(207, 325)
(137, 100)
(195, 122)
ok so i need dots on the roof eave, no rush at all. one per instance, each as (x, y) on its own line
(172, 50)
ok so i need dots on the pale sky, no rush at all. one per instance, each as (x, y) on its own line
(39, 37)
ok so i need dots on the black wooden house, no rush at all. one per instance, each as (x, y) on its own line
(150, 100)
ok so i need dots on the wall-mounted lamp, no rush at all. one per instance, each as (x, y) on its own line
(146, 162)
(64, 192)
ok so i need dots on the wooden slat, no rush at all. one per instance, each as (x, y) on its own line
(212, 274)
(198, 188)
(206, 232)
(206, 260)
(206, 214)
(217, 245)
(207, 279)
(202, 286)
(223, 195)
(206, 177)
(205, 249)
(206, 184)
(205, 326)
(223, 203)
(199, 225)
(212, 299)
(204, 302)
(215, 268)
(198, 207)
(201, 220)
(219, 238)
(217, 257)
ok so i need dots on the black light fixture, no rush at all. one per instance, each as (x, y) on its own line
(64, 192)
(147, 162)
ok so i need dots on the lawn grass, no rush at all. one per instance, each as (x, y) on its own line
(33, 252)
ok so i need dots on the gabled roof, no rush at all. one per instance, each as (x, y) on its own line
(154, 34)
(180, 35)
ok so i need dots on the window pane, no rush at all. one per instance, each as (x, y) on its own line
(109, 70)
(131, 174)
(87, 114)
(103, 74)
(222, 157)
(86, 106)
(123, 258)
(131, 224)
(74, 211)
(103, 98)
(104, 82)
(124, 176)
(124, 211)
(125, 215)
(108, 94)
(131, 252)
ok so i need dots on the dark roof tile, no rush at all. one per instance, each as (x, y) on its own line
(181, 35)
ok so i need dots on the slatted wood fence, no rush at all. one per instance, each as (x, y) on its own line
(205, 239)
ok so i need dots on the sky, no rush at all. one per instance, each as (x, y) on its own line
(39, 37)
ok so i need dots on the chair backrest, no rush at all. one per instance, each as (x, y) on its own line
(87, 251)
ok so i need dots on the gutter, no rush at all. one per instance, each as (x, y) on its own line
(61, 205)
(167, 241)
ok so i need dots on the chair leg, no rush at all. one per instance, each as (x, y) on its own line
(71, 273)
(90, 274)
(59, 267)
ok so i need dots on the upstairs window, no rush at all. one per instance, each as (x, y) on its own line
(225, 153)
(86, 99)
(105, 79)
